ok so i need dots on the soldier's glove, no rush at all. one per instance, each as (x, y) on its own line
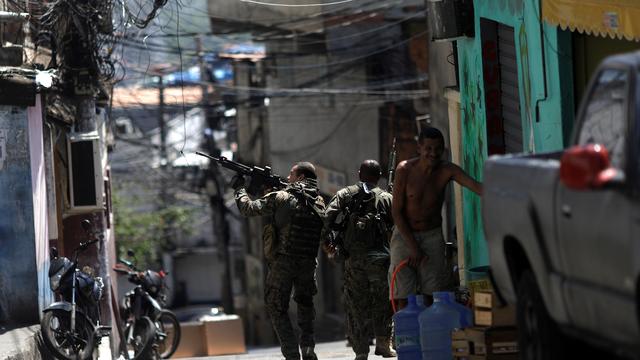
(237, 182)
(330, 250)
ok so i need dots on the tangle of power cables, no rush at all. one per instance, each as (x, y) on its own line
(142, 22)
(79, 34)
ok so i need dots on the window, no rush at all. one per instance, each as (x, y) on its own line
(605, 118)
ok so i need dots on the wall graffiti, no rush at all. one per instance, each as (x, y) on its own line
(473, 119)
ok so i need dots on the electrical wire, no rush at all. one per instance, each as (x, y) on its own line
(331, 40)
(378, 5)
(264, 3)
(343, 61)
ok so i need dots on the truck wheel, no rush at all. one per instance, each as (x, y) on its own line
(539, 338)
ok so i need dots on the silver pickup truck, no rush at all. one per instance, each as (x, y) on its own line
(563, 229)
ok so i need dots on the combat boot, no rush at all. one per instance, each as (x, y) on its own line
(383, 347)
(308, 353)
(362, 357)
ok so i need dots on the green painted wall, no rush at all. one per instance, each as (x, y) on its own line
(546, 98)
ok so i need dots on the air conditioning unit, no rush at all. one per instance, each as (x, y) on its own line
(450, 19)
(85, 173)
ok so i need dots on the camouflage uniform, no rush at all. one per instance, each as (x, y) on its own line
(366, 244)
(291, 237)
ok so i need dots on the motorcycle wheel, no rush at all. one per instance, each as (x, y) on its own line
(56, 335)
(167, 333)
(140, 345)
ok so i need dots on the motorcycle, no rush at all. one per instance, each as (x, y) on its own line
(150, 330)
(71, 327)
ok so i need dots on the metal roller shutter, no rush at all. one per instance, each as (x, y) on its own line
(509, 89)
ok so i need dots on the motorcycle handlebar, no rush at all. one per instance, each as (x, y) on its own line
(134, 276)
(121, 270)
(128, 264)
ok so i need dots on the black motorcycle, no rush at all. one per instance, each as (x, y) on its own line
(71, 327)
(150, 330)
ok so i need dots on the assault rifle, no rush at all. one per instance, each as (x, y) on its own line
(260, 178)
(392, 166)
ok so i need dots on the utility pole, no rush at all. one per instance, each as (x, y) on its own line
(161, 122)
(163, 142)
(164, 194)
(216, 196)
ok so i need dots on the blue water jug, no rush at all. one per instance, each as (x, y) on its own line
(420, 302)
(436, 324)
(407, 331)
(466, 315)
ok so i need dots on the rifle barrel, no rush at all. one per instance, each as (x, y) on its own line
(207, 156)
(229, 164)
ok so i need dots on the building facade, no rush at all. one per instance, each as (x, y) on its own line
(522, 74)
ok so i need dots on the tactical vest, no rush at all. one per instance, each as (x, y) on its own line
(303, 238)
(366, 230)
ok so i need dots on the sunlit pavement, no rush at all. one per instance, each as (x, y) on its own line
(331, 350)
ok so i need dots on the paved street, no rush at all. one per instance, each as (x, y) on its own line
(330, 350)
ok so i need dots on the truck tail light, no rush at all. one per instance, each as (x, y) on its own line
(586, 166)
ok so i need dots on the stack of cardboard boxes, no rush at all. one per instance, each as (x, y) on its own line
(494, 336)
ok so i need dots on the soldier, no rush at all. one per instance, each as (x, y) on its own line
(366, 226)
(292, 238)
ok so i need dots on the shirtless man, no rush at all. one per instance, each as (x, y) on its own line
(418, 194)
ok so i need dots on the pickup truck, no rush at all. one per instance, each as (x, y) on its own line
(563, 228)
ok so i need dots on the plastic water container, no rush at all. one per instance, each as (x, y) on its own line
(420, 302)
(436, 324)
(407, 331)
(466, 315)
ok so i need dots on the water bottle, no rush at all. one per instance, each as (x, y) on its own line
(420, 302)
(407, 331)
(466, 315)
(436, 324)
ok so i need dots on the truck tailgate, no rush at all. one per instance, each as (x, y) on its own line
(518, 202)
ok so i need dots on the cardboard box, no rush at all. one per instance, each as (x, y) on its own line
(488, 357)
(479, 348)
(504, 316)
(504, 347)
(224, 335)
(493, 341)
(491, 334)
(479, 285)
(485, 300)
(460, 348)
(191, 340)
(493, 357)
(458, 334)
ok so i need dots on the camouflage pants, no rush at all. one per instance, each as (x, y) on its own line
(367, 299)
(285, 275)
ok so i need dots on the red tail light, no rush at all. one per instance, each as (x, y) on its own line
(584, 167)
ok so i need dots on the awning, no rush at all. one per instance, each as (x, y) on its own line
(614, 18)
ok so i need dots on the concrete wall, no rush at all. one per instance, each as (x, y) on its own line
(334, 131)
(18, 276)
(201, 274)
(294, 18)
(546, 99)
(259, 14)
(442, 74)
